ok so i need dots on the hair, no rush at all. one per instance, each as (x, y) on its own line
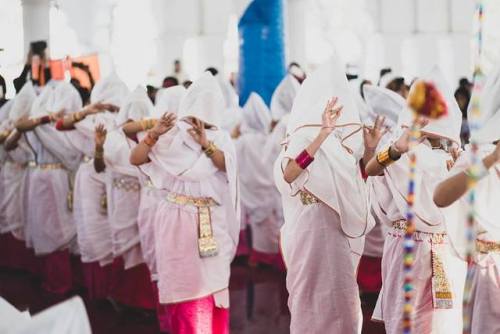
(177, 61)
(84, 92)
(361, 85)
(396, 84)
(292, 64)
(463, 91)
(187, 83)
(4, 86)
(212, 70)
(173, 80)
(464, 82)
(383, 72)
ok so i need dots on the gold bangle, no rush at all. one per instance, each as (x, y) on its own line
(99, 154)
(384, 157)
(77, 117)
(210, 150)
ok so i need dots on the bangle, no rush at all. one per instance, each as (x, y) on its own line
(147, 124)
(210, 149)
(77, 117)
(477, 172)
(304, 159)
(99, 154)
(44, 119)
(385, 158)
(149, 140)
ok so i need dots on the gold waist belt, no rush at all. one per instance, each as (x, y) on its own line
(485, 247)
(51, 166)
(126, 184)
(207, 245)
(17, 164)
(442, 295)
(307, 198)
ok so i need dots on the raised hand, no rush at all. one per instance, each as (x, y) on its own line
(372, 135)
(402, 145)
(98, 107)
(164, 124)
(198, 132)
(330, 116)
(100, 135)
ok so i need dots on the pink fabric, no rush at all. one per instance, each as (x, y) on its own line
(97, 279)
(370, 274)
(198, 316)
(243, 247)
(132, 287)
(427, 319)
(15, 255)
(56, 272)
(321, 276)
(161, 312)
(486, 295)
(272, 259)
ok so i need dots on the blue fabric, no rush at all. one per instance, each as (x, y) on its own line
(262, 49)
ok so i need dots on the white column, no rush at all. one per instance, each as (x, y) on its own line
(35, 21)
(295, 30)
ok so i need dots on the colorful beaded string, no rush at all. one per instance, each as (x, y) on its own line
(409, 243)
(474, 125)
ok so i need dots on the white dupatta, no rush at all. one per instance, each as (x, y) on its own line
(59, 143)
(334, 177)
(283, 97)
(168, 100)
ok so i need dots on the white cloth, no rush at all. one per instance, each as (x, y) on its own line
(336, 162)
(283, 97)
(22, 102)
(204, 101)
(256, 115)
(489, 117)
(69, 316)
(168, 100)
(136, 106)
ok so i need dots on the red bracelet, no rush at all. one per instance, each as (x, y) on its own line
(304, 159)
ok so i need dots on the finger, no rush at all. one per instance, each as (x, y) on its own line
(379, 122)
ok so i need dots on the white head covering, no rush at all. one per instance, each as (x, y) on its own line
(22, 102)
(448, 126)
(109, 90)
(5, 111)
(61, 144)
(283, 96)
(231, 98)
(204, 101)
(334, 177)
(256, 115)
(136, 106)
(490, 111)
(168, 100)
(383, 102)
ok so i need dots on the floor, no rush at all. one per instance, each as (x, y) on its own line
(258, 304)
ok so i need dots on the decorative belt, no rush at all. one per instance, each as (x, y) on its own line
(51, 166)
(126, 184)
(148, 184)
(17, 164)
(207, 245)
(485, 247)
(307, 198)
(442, 295)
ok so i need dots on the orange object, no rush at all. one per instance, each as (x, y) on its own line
(58, 67)
(426, 100)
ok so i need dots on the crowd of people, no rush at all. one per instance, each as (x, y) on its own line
(154, 192)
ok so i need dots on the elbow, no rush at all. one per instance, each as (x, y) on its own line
(288, 178)
(439, 199)
(135, 161)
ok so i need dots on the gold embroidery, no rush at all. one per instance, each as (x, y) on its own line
(126, 184)
(485, 247)
(442, 295)
(207, 245)
(45, 167)
(307, 198)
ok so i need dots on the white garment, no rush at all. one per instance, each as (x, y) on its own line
(283, 97)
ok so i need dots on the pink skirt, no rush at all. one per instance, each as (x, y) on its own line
(132, 287)
(56, 272)
(243, 247)
(198, 316)
(15, 255)
(370, 274)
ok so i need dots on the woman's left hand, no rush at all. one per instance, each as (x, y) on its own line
(373, 135)
(198, 132)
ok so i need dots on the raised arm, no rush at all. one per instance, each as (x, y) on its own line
(295, 167)
(371, 138)
(140, 152)
(131, 129)
(454, 187)
(100, 139)
(69, 121)
(26, 123)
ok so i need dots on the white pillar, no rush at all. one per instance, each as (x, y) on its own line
(35, 21)
(295, 30)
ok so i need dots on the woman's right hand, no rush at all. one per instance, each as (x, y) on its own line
(330, 116)
(164, 124)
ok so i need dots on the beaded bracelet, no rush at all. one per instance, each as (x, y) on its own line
(99, 154)
(477, 172)
(304, 159)
(77, 117)
(45, 119)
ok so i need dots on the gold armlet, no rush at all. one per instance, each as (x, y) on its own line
(99, 154)
(384, 158)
